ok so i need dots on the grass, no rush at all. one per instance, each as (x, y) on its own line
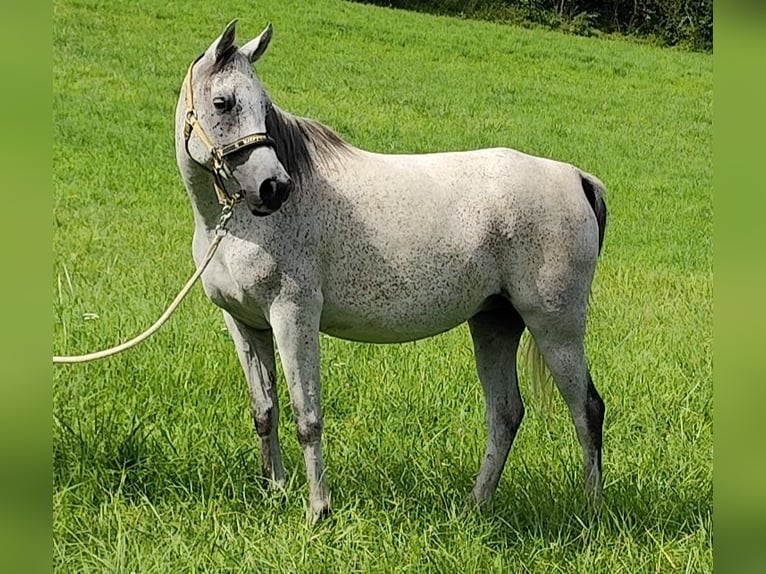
(155, 461)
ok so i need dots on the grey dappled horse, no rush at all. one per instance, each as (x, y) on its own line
(384, 249)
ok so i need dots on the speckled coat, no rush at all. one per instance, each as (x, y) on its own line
(388, 248)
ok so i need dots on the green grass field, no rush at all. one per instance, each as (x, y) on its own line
(155, 463)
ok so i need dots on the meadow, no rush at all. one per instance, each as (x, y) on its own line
(155, 462)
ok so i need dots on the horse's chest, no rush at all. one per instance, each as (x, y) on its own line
(242, 279)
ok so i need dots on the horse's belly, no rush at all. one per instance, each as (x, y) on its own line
(391, 297)
(369, 332)
(352, 329)
(400, 319)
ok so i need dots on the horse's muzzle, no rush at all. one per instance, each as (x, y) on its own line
(269, 198)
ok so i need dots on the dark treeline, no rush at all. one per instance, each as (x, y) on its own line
(688, 23)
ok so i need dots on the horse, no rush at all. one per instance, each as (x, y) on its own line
(382, 248)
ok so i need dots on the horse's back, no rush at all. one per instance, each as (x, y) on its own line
(496, 199)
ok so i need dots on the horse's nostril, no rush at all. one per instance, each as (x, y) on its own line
(283, 188)
(269, 190)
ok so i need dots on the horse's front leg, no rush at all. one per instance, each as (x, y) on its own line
(255, 350)
(296, 330)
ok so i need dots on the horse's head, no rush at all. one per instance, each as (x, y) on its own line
(225, 113)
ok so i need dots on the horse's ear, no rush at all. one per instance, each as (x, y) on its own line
(255, 48)
(225, 41)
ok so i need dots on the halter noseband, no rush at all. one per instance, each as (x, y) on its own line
(218, 153)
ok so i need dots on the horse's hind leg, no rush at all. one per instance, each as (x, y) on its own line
(255, 350)
(496, 333)
(561, 344)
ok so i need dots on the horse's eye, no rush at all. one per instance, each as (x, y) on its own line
(223, 104)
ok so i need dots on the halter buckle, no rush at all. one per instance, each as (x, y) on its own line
(218, 163)
(226, 213)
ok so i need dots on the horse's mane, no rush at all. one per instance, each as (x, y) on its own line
(302, 142)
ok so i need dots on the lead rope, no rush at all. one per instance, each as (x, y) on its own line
(220, 233)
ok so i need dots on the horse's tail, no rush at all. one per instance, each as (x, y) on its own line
(595, 194)
(542, 382)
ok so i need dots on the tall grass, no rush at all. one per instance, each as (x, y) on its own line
(155, 460)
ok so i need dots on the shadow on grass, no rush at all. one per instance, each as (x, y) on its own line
(141, 466)
(528, 503)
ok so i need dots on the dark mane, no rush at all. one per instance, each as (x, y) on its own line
(302, 142)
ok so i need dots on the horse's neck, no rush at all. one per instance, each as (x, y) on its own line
(198, 182)
(199, 186)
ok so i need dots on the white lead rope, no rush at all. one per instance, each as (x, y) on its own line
(220, 232)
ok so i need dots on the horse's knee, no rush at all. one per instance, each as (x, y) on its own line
(264, 418)
(309, 429)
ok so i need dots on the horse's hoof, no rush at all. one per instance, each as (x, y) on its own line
(471, 506)
(275, 489)
(274, 485)
(595, 504)
(478, 498)
(318, 511)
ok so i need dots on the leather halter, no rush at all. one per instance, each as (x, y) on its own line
(218, 154)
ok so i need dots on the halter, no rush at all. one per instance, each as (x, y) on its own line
(220, 169)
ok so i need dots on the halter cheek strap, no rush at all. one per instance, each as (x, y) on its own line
(218, 154)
